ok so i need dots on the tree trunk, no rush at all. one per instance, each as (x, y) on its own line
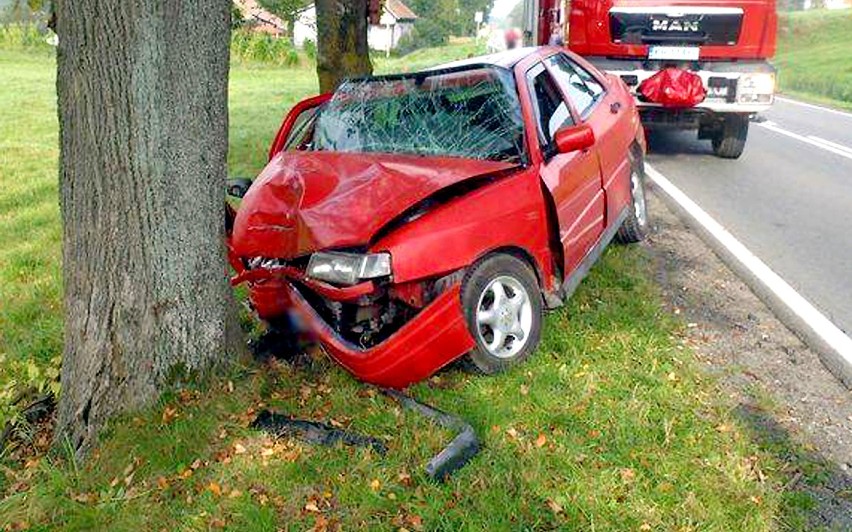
(342, 50)
(143, 119)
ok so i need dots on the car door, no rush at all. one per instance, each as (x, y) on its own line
(297, 129)
(573, 179)
(600, 106)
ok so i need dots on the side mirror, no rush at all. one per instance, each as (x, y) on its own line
(574, 138)
(238, 186)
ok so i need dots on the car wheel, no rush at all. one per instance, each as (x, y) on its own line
(730, 142)
(502, 304)
(635, 226)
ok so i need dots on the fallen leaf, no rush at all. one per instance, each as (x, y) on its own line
(312, 507)
(666, 487)
(512, 433)
(267, 452)
(645, 526)
(235, 494)
(196, 465)
(162, 483)
(169, 414)
(217, 523)
(414, 521)
(554, 506)
(239, 448)
(404, 479)
(627, 475)
(525, 390)
(215, 489)
(541, 440)
(724, 428)
(230, 386)
(375, 484)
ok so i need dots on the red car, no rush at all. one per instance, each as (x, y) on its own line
(409, 220)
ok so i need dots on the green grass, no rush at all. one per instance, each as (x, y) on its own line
(814, 58)
(610, 426)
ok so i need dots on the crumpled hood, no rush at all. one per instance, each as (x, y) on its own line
(308, 201)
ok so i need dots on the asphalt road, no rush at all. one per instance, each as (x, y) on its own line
(788, 198)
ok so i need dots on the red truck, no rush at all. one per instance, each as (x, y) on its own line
(726, 44)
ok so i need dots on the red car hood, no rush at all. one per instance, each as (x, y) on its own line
(308, 201)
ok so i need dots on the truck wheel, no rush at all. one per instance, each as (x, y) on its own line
(729, 143)
(502, 304)
(635, 226)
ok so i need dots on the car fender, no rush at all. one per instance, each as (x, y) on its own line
(510, 212)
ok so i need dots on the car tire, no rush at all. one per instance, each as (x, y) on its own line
(501, 298)
(730, 141)
(635, 226)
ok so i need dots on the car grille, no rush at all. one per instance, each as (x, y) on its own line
(675, 26)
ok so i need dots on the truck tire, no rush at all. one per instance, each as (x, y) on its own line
(729, 143)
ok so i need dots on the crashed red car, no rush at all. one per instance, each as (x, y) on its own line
(409, 220)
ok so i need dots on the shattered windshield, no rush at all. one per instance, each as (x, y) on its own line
(472, 113)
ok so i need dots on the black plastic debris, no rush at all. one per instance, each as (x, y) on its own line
(313, 432)
(455, 455)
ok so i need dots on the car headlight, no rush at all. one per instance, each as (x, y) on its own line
(348, 268)
(756, 88)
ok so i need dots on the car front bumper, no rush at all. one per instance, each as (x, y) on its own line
(433, 338)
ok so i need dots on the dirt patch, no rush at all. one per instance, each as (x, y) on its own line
(756, 357)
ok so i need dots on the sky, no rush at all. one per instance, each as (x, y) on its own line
(503, 7)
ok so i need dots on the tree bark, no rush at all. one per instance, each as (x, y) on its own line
(142, 87)
(342, 50)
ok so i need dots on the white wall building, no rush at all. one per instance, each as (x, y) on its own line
(397, 20)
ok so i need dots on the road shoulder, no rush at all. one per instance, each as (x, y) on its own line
(782, 388)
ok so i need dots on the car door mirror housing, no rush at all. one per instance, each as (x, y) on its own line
(574, 138)
(238, 186)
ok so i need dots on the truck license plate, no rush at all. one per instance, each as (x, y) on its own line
(679, 53)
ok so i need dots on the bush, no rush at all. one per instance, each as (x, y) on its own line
(262, 48)
(29, 36)
(425, 34)
(310, 48)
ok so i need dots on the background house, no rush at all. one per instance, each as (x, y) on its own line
(396, 21)
(259, 19)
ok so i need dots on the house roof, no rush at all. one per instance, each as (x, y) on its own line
(399, 10)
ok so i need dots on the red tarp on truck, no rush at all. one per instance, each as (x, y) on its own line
(673, 87)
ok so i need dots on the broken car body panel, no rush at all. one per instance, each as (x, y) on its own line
(308, 201)
(433, 170)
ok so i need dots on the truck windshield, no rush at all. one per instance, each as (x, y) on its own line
(472, 113)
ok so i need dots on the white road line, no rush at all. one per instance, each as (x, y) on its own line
(798, 305)
(841, 147)
(772, 126)
(812, 106)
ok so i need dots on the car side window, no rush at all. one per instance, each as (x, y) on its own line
(551, 110)
(580, 85)
(302, 132)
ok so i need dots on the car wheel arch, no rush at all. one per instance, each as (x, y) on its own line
(521, 254)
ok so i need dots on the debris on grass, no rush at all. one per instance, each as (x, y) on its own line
(313, 432)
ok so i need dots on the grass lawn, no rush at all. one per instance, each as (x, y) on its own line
(815, 55)
(610, 426)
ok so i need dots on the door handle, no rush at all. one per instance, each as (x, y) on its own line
(615, 108)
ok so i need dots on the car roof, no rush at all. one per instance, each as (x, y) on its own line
(507, 59)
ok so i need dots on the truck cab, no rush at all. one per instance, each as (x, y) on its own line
(726, 44)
